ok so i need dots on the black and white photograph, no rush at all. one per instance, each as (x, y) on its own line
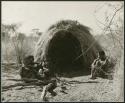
(62, 51)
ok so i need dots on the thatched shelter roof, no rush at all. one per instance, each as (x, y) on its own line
(63, 44)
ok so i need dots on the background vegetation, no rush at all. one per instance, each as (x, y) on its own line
(16, 45)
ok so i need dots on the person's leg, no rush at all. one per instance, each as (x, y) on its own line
(93, 73)
(50, 88)
(44, 92)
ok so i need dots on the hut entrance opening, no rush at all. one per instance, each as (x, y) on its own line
(62, 50)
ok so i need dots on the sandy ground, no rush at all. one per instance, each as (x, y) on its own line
(98, 90)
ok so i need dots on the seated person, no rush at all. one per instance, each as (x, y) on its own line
(29, 69)
(98, 67)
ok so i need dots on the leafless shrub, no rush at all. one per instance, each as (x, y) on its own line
(112, 23)
(112, 30)
(15, 45)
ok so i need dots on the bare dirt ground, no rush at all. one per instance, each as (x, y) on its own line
(86, 90)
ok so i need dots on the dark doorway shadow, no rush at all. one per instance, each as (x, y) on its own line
(62, 50)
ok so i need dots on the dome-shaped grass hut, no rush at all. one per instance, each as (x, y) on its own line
(65, 47)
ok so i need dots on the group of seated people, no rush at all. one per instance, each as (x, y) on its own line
(31, 70)
(40, 71)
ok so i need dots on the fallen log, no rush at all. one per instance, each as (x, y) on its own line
(24, 84)
(8, 63)
(59, 80)
(28, 80)
(20, 88)
(37, 82)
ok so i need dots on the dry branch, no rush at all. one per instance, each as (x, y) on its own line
(29, 80)
(38, 83)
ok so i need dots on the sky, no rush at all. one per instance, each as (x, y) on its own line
(42, 14)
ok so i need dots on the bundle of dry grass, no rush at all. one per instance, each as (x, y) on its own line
(62, 45)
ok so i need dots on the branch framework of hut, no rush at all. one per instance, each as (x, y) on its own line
(65, 41)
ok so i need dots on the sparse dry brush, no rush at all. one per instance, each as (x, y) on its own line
(112, 40)
(112, 30)
(15, 45)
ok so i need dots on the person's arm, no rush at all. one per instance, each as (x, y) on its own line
(94, 63)
(22, 72)
(40, 72)
(29, 80)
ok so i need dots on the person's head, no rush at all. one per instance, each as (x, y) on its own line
(45, 64)
(31, 59)
(101, 55)
(28, 60)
